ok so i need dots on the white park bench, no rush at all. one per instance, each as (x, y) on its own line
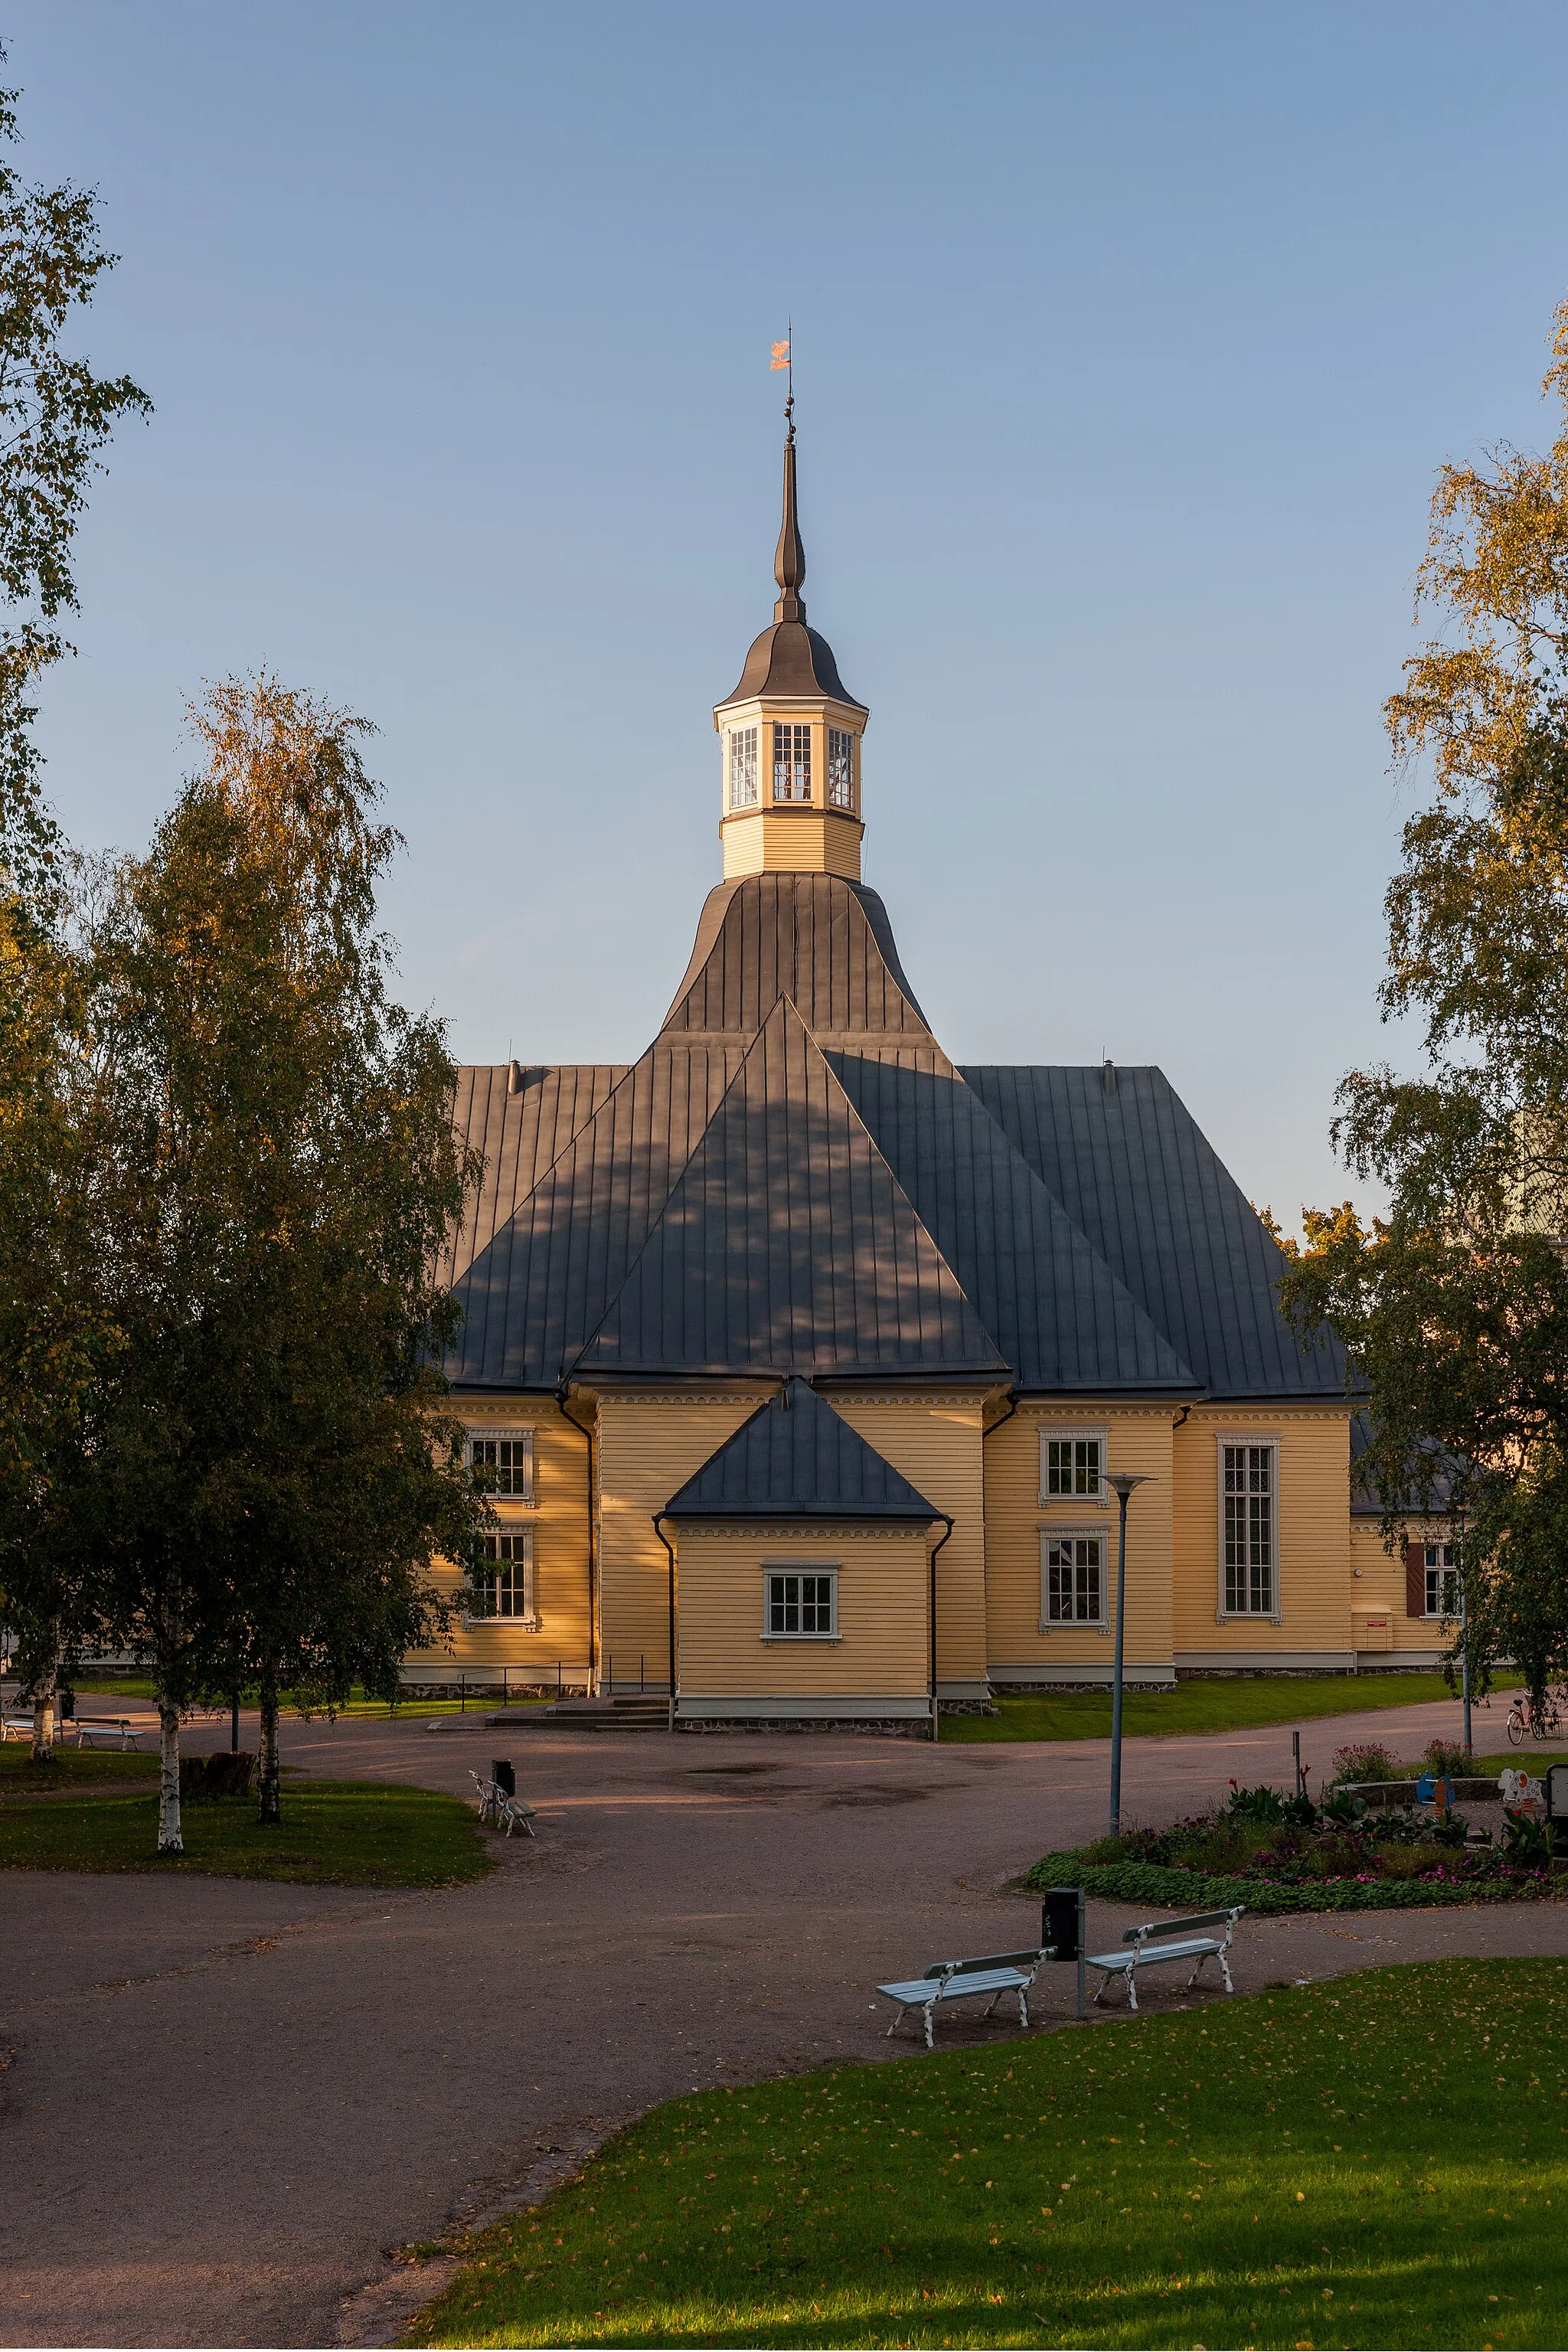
(948, 1980)
(1168, 1940)
(100, 1731)
(16, 1727)
(499, 1810)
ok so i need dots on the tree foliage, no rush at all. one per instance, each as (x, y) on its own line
(56, 415)
(278, 1465)
(1455, 1307)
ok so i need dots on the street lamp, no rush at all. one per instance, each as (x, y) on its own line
(1123, 1481)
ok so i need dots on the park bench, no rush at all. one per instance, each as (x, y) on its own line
(1173, 1939)
(16, 1727)
(948, 1980)
(499, 1809)
(96, 1730)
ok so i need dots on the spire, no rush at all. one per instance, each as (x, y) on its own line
(789, 559)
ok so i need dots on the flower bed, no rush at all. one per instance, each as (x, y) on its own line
(1277, 1855)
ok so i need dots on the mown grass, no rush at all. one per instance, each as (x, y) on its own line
(73, 1768)
(1217, 1703)
(1378, 2161)
(357, 1708)
(333, 1833)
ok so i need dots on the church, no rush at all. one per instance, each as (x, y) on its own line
(801, 1355)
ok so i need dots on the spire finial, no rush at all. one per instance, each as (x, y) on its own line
(789, 559)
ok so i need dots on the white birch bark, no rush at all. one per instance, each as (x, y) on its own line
(170, 1840)
(44, 1722)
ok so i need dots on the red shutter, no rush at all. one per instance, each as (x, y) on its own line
(1416, 1579)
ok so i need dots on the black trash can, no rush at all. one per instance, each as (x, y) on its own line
(503, 1775)
(1061, 1914)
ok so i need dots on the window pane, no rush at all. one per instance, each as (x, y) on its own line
(840, 768)
(792, 762)
(743, 768)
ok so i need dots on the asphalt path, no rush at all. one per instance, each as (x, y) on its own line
(226, 2103)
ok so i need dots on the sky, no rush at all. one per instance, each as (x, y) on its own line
(1129, 339)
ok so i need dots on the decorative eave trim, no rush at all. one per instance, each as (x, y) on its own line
(837, 1530)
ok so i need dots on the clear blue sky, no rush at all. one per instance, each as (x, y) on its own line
(1128, 338)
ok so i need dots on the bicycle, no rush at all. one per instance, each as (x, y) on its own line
(1543, 1723)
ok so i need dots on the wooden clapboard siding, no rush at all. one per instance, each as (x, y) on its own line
(1380, 1582)
(648, 1446)
(1313, 1567)
(881, 1650)
(935, 1441)
(1138, 1439)
(559, 1518)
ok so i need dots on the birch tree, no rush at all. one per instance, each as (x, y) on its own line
(287, 1466)
(1455, 1307)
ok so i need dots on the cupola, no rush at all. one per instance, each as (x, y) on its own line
(790, 735)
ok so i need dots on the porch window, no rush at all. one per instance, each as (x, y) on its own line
(801, 1607)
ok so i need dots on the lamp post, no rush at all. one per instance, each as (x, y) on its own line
(1464, 1646)
(1123, 1482)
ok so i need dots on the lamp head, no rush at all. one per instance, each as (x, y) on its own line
(1123, 1481)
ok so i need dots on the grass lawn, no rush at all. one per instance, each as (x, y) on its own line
(333, 1833)
(73, 1768)
(1216, 1702)
(409, 1710)
(1378, 2161)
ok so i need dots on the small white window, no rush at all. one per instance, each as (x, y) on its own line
(505, 1589)
(743, 767)
(1247, 1535)
(800, 1604)
(1072, 1579)
(1442, 1582)
(840, 768)
(1072, 1465)
(507, 1456)
(792, 762)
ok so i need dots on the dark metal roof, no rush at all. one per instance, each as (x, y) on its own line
(1058, 1312)
(534, 1287)
(1130, 1167)
(788, 1245)
(790, 658)
(824, 942)
(794, 1178)
(796, 1458)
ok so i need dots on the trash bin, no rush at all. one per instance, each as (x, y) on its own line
(503, 1775)
(1061, 1916)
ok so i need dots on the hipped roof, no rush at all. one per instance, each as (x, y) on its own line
(794, 1178)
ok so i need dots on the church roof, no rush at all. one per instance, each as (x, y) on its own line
(796, 1458)
(794, 1178)
(787, 1244)
(1130, 1167)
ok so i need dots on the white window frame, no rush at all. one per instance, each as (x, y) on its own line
(841, 743)
(526, 1617)
(789, 770)
(1069, 1534)
(1262, 1441)
(1075, 1433)
(828, 1569)
(741, 746)
(1434, 1565)
(514, 1437)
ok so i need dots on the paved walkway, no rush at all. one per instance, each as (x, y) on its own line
(227, 2100)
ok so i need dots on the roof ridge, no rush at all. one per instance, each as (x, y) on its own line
(785, 1010)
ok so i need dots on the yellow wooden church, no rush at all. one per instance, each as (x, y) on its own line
(802, 1354)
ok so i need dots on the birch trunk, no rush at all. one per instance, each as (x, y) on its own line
(268, 1793)
(170, 1841)
(44, 1721)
